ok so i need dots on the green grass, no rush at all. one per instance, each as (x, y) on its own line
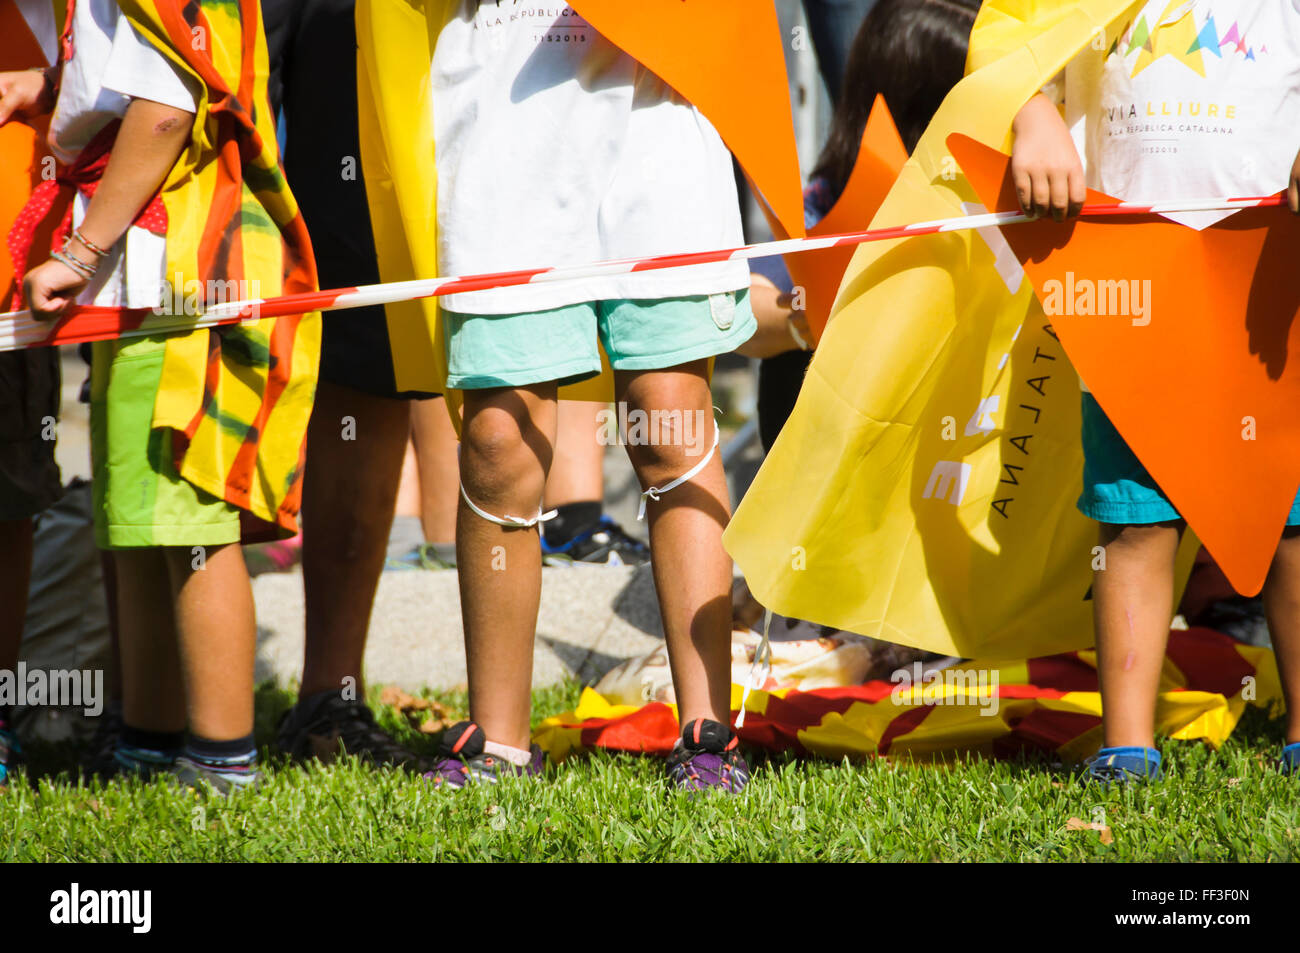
(1213, 806)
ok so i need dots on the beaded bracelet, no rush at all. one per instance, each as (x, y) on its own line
(90, 246)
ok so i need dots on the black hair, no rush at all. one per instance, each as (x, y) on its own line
(910, 51)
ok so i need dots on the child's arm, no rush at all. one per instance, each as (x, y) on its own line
(776, 315)
(1045, 165)
(26, 94)
(147, 146)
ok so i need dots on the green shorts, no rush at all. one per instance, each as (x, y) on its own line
(139, 499)
(563, 344)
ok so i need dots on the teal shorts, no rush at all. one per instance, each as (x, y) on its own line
(1117, 488)
(563, 344)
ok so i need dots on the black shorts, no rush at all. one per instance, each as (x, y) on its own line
(312, 46)
(29, 407)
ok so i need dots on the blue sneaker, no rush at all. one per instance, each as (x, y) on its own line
(1290, 763)
(1122, 765)
(604, 544)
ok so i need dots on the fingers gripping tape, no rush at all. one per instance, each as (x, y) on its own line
(654, 492)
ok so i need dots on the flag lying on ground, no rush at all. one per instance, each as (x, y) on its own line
(1047, 706)
(237, 399)
(923, 490)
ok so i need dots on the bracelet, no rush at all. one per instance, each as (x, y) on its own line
(80, 267)
(90, 246)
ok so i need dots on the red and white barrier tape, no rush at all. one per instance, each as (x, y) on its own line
(18, 329)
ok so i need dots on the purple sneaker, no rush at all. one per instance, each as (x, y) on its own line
(461, 760)
(708, 758)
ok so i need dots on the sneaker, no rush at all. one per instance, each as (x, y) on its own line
(1123, 764)
(10, 751)
(224, 779)
(424, 556)
(461, 759)
(707, 758)
(326, 727)
(1290, 763)
(605, 544)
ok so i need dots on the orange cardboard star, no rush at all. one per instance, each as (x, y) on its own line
(1184, 338)
(819, 273)
(726, 57)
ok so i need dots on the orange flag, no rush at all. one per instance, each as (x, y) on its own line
(1184, 338)
(818, 273)
(725, 57)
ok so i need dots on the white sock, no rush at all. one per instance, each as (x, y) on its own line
(516, 756)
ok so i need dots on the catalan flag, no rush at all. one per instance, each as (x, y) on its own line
(238, 399)
(1047, 706)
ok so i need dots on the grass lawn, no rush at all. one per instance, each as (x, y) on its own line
(1213, 806)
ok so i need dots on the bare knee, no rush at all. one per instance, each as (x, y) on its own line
(498, 465)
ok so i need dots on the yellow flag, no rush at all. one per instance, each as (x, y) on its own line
(923, 491)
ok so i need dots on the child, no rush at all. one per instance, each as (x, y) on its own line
(1139, 527)
(143, 112)
(555, 146)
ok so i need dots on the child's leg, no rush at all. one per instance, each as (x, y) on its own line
(217, 637)
(152, 697)
(1133, 603)
(507, 443)
(349, 492)
(1282, 605)
(692, 571)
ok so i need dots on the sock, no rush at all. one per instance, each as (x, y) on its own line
(234, 755)
(570, 520)
(144, 751)
(516, 756)
(162, 742)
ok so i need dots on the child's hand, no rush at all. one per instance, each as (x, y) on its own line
(24, 94)
(49, 289)
(1045, 165)
(1293, 187)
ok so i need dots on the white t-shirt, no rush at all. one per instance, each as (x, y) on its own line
(1197, 99)
(112, 64)
(554, 147)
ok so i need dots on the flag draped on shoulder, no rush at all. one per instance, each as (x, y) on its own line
(237, 399)
(923, 490)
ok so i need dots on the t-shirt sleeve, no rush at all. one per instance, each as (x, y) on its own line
(137, 70)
